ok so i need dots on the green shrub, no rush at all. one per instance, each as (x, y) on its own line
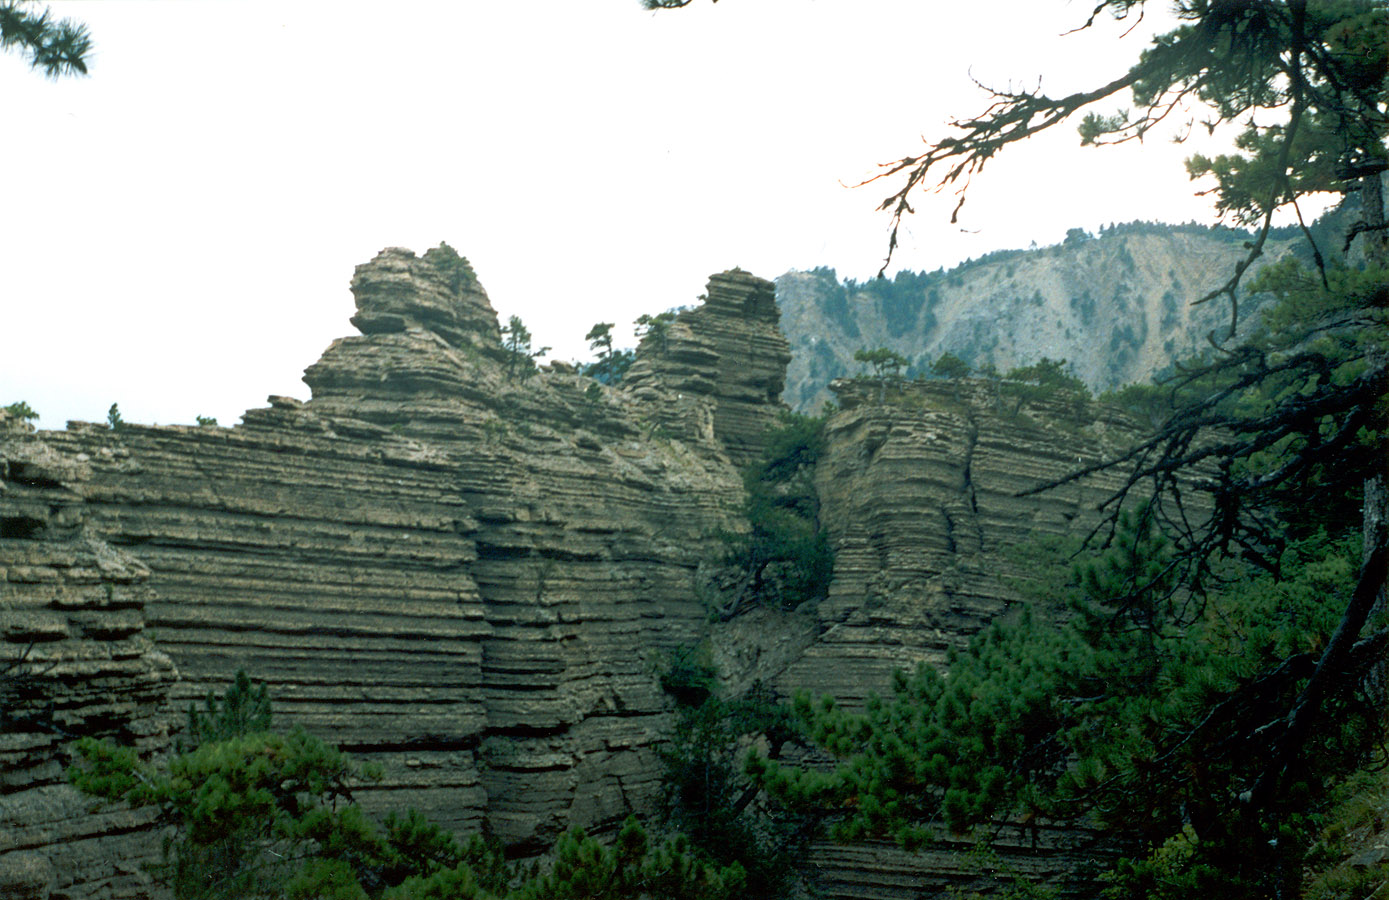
(21, 410)
(708, 796)
(251, 812)
(785, 553)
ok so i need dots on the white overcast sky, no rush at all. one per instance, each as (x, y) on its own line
(179, 228)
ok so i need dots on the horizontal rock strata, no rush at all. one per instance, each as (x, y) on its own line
(466, 578)
(75, 660)
(470, 572)
(918, 490)
(731, 349)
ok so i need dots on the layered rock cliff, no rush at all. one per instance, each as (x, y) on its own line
(468, 573)
(919, 489)
(464, 578)
(76, 660)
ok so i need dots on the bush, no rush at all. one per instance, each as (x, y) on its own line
(708, 796)
(252, 812)
(21, 410)
(785, 553)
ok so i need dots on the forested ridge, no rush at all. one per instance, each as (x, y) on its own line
(1116, 303)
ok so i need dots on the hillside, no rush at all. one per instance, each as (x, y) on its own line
(1118, 306)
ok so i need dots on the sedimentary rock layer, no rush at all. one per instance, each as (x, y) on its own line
(453, 566)
(731, 349)
(75, 660)
(919, 490)
(470, 572)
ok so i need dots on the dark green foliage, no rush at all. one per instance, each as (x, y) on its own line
(254, 813)
(1084, 305)
(456, 270)
(1125, 339)
(785, 553)
(832, 296)
(113, 418)
(21, 410)
(206, 421)
(689, 676)
(885, 363)
(520, 357)
(950, 366)
(709, 799)
(600, 338)
(611, 364)
(55, 47)
(631, 868)
(1149, 402)
(1047, 379)
(901, 307)
(1048, 373)
(243, 710)
(656, 329)
(1311, 387)
(247, 809)
(900, 299)
(1169, 311)
(1136, 707)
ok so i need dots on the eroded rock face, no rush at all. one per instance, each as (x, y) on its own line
(466, 578)
(918, 488)
(731, 350)
(919, 493)
(75, 660)
(470, 577)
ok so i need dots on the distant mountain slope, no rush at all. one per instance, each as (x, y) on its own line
(1118, 306)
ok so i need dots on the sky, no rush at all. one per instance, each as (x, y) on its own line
(180, 227)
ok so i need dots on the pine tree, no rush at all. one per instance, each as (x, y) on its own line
(1284, 432)
(55, 47)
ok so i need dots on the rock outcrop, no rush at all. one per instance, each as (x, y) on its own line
(465, 578)
(75, 660)
(469, 573)
(730, 349)
(919, 489)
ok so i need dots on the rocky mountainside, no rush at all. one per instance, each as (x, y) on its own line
(1119, 306)
(470, 577)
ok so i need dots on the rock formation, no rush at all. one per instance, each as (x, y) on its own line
(471, 579)
(730, 349)
(75, 660)
(465, 579)
(919, 492)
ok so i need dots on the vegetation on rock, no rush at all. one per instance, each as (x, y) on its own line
(257, 812)
(785, 555)
(1225, 657)
(709, 798)
(520, 357)
(611, 363)
(656, 329)
(21, 410)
